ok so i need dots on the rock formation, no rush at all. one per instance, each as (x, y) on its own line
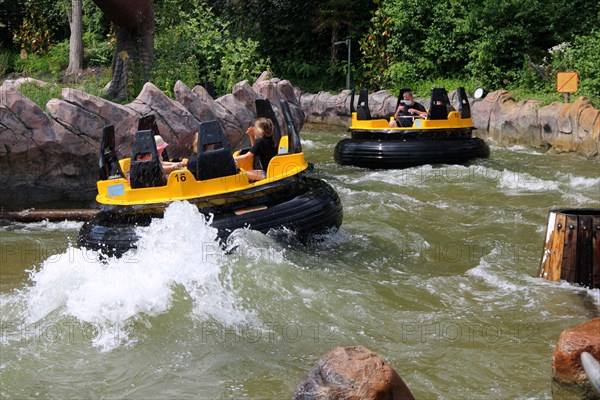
(556, 128)
(52, 154)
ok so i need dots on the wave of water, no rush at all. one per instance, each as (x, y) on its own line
(180, 251)
(43, 226)
(433, 266)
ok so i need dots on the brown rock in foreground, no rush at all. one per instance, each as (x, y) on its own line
(352, 373)
(569, 379)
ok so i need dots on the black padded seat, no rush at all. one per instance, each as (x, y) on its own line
(108, 162)
(362, 109)
(145, 173)
(294, 143)
(148, 122)
(463, 103)
(214, 156)
(438, 109)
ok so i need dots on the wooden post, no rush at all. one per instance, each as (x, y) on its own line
(572, 247)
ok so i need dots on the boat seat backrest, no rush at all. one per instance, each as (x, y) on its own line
(464, 108)
(108, 162)
(362, 108)
(438, 109)
(148, 122)
(145, 172)
(214, 157)
(294, 143)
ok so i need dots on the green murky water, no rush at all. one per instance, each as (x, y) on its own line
(434, 269)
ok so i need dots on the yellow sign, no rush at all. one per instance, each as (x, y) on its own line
(566, 82)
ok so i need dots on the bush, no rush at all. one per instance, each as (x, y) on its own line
(45, 23)
(54, 61)
(96, 52)
(586, 61)
(200, 48)
(40, 95)
(7, 62)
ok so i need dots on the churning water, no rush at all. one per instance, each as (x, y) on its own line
(434, 269)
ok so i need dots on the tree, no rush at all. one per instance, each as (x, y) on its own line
(333, 16)
(133, 22)
(76, 40)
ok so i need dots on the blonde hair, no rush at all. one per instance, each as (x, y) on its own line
(263, 127)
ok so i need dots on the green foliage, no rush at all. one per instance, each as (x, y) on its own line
(40, 95)
(54, 61)
(44, 23)
(200, 48)
(94, 22)
(414, 43)
(11, 17)
(307, 75)
(297, 36)
(583, 56)
(97, 52)
(544, 97)
(7, 61)
(240, 60)
(377, 58)
(499, 44)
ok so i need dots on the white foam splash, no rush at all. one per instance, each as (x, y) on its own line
(309, 144)
(521, 149)
(522, 181)
(44, 226)
(579, 182)
(180, 250)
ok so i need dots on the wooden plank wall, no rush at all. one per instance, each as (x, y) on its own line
(572, 248)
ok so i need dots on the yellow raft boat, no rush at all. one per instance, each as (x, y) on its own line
(134, 192)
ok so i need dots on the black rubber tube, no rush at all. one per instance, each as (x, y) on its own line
(408, 153)
(312, 208)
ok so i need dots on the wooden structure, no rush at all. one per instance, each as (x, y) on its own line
(572, 247)
(50, 215)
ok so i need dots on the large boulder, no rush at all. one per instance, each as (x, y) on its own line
(243, 118)
(569, 378)
(558, 127)
(228, 122)
(176, 124)
(86, 115)
(41, 160)
(327, 108)
(244, 93)
(352, 373)
(277, 90)
(382, 104)
(52, 154)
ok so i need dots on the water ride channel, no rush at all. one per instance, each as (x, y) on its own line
(433, 268)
